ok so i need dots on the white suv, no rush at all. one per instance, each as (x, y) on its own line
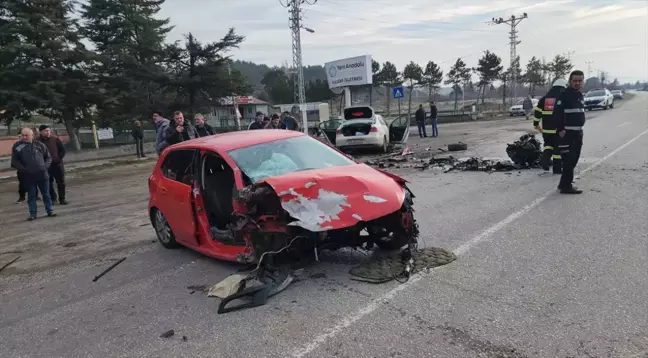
(599, 98)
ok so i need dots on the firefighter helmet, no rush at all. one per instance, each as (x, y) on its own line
(560, 82)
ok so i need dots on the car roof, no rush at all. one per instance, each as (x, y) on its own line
(240, 139)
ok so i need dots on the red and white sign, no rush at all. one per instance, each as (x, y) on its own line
(244, 99)
(549, 104)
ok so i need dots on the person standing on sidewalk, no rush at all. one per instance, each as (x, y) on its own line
(22, 188)
(435, 120)
(420, 121)
(56, 170)
(161, 129)
(33, 158)
(138, 135)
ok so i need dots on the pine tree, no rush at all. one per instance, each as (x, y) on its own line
(390, 77)
(413, 74)
(458, 76)
(49, 71)
(129, 41)
(432, 77)
(200, 74)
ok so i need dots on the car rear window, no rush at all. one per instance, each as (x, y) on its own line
(286, 156)
(358, 113)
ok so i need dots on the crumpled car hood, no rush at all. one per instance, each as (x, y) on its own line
(336, 198)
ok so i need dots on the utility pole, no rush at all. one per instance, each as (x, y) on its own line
(589, 68)
(294, 9)
(513, 21)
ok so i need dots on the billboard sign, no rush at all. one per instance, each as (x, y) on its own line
(354, 71)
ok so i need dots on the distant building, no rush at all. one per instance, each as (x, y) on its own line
(223, 115)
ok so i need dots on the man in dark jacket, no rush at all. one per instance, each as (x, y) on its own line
(180, 130)
(258, 121)
(420, 121)
(161, 131)
(274, 122)
(543, 122)
(202, 128)
(434, 119)
(32, 158)
(138, 135)
(569, 118)
(56, 170)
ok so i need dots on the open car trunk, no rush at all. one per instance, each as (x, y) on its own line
(356, 127)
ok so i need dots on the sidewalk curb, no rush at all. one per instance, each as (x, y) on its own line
(110, 163)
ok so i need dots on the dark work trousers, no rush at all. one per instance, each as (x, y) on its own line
(421, 129)
(551, 153)
(139, 147)
(22, 187)
(570, 150)
(57, 172)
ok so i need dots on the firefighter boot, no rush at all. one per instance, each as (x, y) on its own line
(545, 161)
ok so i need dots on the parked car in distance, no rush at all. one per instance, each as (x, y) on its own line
(362, 128)
(240, 195)
(599, 98)
(618, 94)
(517, 110)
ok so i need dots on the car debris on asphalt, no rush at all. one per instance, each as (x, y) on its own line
(524, 153)
(9, 263)
(108, 269)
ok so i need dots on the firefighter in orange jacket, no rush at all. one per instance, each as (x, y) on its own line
(543, 112)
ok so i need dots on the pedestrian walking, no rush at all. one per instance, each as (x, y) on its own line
(161, 129)
(180, 130)
(543, 123)
(202, 128)
(420, 121)
(569, 119)
(138, 135)
(258, 121)
(32, 158)
(527, 106)
(434, 113)
(56, 170)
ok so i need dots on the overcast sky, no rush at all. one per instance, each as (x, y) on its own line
(611, 34)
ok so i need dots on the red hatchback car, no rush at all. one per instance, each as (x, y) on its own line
(238, 195)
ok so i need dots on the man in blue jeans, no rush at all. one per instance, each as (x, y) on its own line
(434, 119)
(33, 159)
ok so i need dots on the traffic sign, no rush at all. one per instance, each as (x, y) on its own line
(397, 92)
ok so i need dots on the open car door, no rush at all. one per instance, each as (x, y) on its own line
(399, 130)
(328, 129)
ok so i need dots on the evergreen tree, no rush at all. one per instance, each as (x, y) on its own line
(489, 69)
(413, 74)
(390, 77)
(458, 76)
(432, 77)
(129, 42)
(201, 74)
(49, 70)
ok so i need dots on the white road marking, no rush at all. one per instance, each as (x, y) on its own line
(377, 302)
(624, 124)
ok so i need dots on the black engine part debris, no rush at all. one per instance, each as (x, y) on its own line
(525, 152)
(455, 147)
(257, 295)
(384, 267)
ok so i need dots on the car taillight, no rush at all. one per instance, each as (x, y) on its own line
(374, 129)
(338, 131)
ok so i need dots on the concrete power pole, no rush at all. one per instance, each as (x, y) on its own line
(513, 21)
(294, 9)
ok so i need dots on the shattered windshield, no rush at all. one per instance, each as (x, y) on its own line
(286, 156)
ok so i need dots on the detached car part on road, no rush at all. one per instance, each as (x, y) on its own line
(362, 128)
(274, 197)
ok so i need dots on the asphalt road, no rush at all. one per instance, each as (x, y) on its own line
(538, 275)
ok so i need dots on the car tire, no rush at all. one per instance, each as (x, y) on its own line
(385, 145)
(612, 105)
(162, 230)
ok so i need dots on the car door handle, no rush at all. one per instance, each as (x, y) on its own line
(163, 190)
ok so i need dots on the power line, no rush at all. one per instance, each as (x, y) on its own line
(513, 21)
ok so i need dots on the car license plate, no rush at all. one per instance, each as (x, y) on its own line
(357, 134)
(355, 141)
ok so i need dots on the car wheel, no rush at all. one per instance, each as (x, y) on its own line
(612, 105)
(163, 230)
(385, 145)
